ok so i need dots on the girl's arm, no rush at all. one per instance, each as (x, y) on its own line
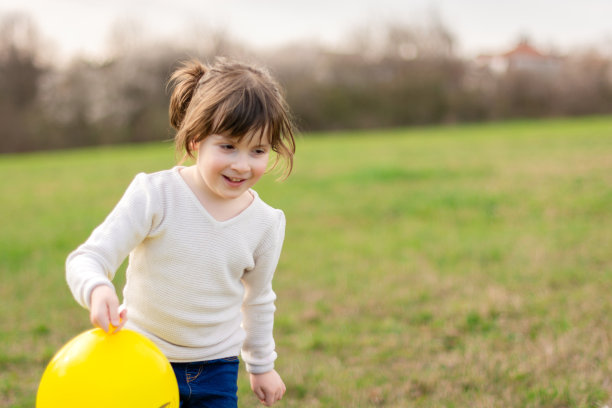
(258, 350)
(94, 263)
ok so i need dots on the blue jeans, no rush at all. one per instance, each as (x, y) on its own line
(208, 384)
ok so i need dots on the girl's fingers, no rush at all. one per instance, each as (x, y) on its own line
(100, 320)
(122, 319)
(113, 312)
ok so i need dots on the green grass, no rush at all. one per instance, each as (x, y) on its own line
(466, 266)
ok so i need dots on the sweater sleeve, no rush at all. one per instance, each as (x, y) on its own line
(96, 261)
(258, 350)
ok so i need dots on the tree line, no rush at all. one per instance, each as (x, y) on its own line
(389, 76)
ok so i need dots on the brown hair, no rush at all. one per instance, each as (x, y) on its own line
(230, 99)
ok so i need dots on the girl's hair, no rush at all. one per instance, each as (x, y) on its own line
(231, 99)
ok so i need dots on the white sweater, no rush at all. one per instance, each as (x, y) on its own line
(199, 288)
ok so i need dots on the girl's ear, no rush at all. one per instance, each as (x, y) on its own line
(193, 145)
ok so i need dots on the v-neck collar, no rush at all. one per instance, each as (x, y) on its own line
(198, 203)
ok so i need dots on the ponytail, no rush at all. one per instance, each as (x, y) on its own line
(183, 82)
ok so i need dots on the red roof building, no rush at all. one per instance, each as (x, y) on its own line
(523, 57)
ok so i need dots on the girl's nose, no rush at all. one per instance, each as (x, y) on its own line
(241, 163)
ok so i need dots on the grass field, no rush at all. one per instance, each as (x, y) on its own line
(466, 266)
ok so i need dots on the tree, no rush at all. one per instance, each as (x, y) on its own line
(20, 74)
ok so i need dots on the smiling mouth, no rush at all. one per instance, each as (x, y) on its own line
(234, 179)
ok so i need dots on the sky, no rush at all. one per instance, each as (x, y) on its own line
(478, 26)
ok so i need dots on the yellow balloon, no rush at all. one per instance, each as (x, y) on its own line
(96, 369)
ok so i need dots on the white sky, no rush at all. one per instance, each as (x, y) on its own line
(82, 26)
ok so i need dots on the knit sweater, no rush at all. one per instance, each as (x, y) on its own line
(199, 288)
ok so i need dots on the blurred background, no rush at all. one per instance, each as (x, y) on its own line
(430, 266)
(76, 73)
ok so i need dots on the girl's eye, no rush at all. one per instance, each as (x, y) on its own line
(227, 147)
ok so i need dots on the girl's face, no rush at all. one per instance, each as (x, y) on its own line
(228, 167)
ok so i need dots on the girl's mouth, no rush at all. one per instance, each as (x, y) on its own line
(234, 180)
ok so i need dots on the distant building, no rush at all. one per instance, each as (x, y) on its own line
(523, 57)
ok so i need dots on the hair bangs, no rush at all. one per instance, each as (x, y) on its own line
(244, 113)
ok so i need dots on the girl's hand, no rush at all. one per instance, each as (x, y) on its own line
(104, 310)
(268, 387)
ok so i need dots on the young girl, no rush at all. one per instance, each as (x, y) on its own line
(202, 245)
